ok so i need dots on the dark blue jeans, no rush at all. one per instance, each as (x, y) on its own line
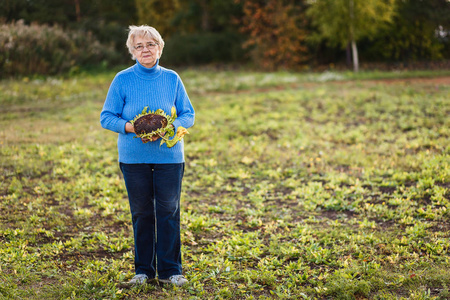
(154, 194)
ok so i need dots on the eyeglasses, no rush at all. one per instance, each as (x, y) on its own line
(149, 46)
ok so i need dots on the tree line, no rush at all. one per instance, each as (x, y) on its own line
(271, 34)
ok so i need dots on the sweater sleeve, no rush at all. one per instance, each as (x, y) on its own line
(111, 115)
(185, 110)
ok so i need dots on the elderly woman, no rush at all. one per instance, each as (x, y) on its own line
(152, 173)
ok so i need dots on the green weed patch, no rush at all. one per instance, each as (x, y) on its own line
(296, 187)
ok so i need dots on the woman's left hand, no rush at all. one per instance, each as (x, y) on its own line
(130, 128)
(156, 137)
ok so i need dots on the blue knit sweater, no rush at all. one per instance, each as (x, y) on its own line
(135, 88)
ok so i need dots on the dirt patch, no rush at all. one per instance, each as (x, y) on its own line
(443, 227)
(387, 189)
(435, 82)
(337, 215)
(385, 224)
(444, 185)
(72, 258)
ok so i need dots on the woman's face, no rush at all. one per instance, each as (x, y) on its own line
(148, 54)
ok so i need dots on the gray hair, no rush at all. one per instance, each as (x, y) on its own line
(142, 31)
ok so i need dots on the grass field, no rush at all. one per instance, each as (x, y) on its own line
(297, 186)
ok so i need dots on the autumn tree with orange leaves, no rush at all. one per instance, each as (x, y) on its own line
(276, 30)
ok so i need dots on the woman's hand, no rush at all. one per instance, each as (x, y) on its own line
(154, 138)
(130, 128)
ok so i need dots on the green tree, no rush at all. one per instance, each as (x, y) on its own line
(41, 11)
(344, 22)
(204, 32)
(419, 31)
(106, 19)
(158, 14)
(195, 16)
(68, 13)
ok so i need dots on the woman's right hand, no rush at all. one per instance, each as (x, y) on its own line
(129, 128)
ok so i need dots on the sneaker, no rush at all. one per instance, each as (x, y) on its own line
(178, 280)
(139, 279)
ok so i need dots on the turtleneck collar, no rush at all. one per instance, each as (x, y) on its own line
(147, 73)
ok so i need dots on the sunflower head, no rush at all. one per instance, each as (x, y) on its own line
(151, 123)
